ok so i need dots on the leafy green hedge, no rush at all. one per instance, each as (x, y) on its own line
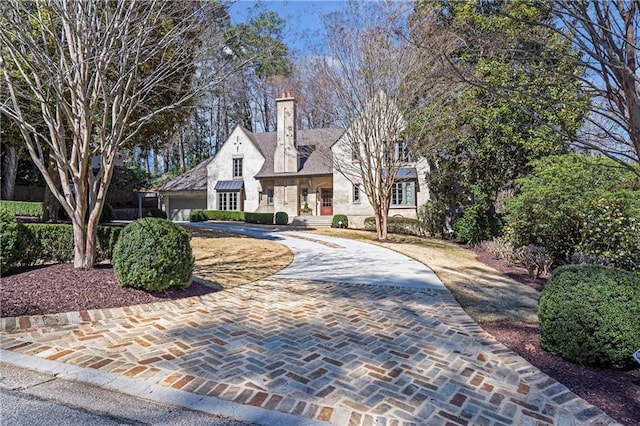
(224, 215)
(341, 221)
(264, 218)
(153, 254)
(590, 314)
(281, 218)
(9, 240)
(397, 225)
(158, 213)
(197, 216)
(45, 243)
(22, 208)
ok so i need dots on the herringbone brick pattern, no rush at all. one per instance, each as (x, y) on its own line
(343, 353)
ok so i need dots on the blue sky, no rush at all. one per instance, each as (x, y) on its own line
(302, 16)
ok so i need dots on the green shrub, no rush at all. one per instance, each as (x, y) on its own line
(197, 216)
(153, 254)
(8, 240)
(340, 221)
(552, 202)
(224, 215)
(611, 229)
(157, 213)
(263, 218)
(591, 315)
(47, 243)
(22, 208)
(404, 225)
(282, 218)
(476, 224)
(433, 219)
(397, 225)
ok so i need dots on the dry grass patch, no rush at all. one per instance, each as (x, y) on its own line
(484, 293)
(227, 260)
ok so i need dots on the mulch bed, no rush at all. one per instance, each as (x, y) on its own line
(616, 392)
(61, 288)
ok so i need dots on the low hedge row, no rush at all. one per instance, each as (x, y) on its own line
(22, 208)
(397, 225)
(263, 218)
(43, 243)
(203, 215)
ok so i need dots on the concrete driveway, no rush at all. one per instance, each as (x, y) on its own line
(349, 333)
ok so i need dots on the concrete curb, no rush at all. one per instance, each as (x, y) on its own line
(157, 393)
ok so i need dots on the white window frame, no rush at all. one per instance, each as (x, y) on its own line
(355, 194)
(403, 194)
(237, 168)
(228, 201)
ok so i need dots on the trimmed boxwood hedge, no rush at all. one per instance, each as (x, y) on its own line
(224, 215)
(340, 221)
(263, 218)
(590, 314)
(8, 241)
(397, 225)
(153, 254)
(197, 216)
(281, 218)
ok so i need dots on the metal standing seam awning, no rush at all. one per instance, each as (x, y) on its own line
(229, 185)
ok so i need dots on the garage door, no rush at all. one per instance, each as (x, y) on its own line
(179, 208)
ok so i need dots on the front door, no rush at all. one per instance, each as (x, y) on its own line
(326, 199)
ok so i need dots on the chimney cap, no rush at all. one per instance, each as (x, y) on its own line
(286, 95)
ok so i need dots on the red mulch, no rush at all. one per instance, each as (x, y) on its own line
(616, 392)
(61, 288)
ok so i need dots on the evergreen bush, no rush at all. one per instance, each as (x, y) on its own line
(197, 216)
(590, 314)
(282, 218)
(8, 241)
(232, 215)
(340, 221)
(397, 225)
(263, 218)
(153, 254)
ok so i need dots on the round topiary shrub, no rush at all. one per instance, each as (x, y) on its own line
(282, 218)
(157, 213)
(197, 216)
(153, 254)
(590, 314)
(340, 221)
(8, 240)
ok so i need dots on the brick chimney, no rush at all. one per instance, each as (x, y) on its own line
(285, 158)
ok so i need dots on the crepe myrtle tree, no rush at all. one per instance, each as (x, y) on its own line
(606, 35)
(370, 76)
(98, 71)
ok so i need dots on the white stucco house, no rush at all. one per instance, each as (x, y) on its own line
(289, 170)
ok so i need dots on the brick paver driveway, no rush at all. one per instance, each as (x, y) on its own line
(365, 350)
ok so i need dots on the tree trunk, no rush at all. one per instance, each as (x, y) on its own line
(9, 172)
(50, 205)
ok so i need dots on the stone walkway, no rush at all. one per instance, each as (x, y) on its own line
(343, 353)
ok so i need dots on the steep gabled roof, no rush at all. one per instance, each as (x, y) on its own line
(319, 161)
(191, 180)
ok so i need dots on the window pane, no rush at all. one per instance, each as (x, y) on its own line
(409, 194)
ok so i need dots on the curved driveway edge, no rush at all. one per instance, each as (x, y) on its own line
(400, 351)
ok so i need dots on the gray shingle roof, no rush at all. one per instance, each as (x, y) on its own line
(191, 180)
(319, 161)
